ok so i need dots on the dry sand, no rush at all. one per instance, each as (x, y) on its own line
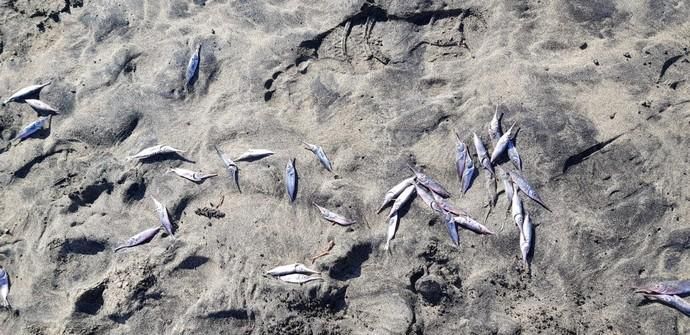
(572, 74)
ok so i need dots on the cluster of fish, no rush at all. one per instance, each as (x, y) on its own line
(296, 273)
(669, 293)
(148, 234)
(29, 96)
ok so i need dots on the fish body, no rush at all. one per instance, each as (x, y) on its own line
(491, 191)
(41, 107)
(334, 217)
(469, 223)
(254, 154)
(527, 241)
(495, 131)
(525, 187)
(4, 287)
(395, 191)
(25, 92)
(425, 194)
(320, 154)
(460, 159)
(290, 269)
(483, 155)
(291, 180)
(139, 238)
(230, 165)
(443, 205)
(194, 176)
(517, 211)
(299, 278)
(32, 128)
(163, 217)
(452, 227)
(671, 300)
(502, 144)
(507, 184)
(514, 155)
(404, 197)
(430, 183)
(468, 175)
(390, 232)
(154, 150)
(673, 287)
(192, 72)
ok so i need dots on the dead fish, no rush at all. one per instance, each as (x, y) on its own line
(163, 217)
(390, 233)
(254, 154)
(425, 194)
(4, 288)
(516, 210)
(334, 217)
(41, 107)
(502, 144)
(404, 197)
(672, 301)
(291, 268)
(673, 287)
(482, 154)
(299, 278)
(514, 155)
(507, 184)
(394, 192)
(192, 72)
(469, 174)
(430, 183)
(194, 176)
(154, 150)
(32, 128)
(25, 92)
(495, 131)
(469, 223)
(320, 154)
(232, 168)
(443, 205)
(527, 241)
(491, 191)
(452, 227)
(139, 238)
(291, 180)
(525, 187)
(460, 159)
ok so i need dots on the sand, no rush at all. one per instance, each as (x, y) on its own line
(598, 89)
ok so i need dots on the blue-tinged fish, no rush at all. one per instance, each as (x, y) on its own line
(452, 227)
(525, 187)
(483, 154)
(672, 301)
(231, 166)
(502, 144)
(514, 155)
(163, 217)
(4, 288)
(32, 127)
(320, 154)
(139, 238)
(192, 73)
(291, 180)
(468, 175)
(430, 183)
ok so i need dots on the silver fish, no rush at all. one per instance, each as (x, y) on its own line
(516, 211)
(390, 233)
(672, 287)
(334, 217)
(514, 155)
(492, 194)
(394, 192)
(507, 184)
(4, 287)
(139, 238)
(430, 183)
(672, 301)
(291, 268)
(527, 241)
(468, 175)
(502, 144)
(192, 72)
(23, 93)
(469, 223)
(452, 227)
(232, 168)
(41, 107)
(32, 128)
(443, 205)
(154, 150)
(460, 159)
(495, 131)
(525, 187)
(163, 217)
(482, 154)
(291, 180)
(254, 154)
(299, 278)
(194, 176)
(320, 154)
(404, 197)
(425, 194)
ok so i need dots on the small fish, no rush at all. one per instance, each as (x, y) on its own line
(254, 154)
(460, 159)
(291, 180)
(525, 187)
(194, 176)
(673, 287)
(502, 144)
(41, 107)
(443, 205)
(404, 197)
(468, 176)
(491, 191)
(495, 131)
(32, 128)
(232, 168)
(4, 288)
(672, 301)
(291, 268)
(320, 154)
(425, 194)
(452, 227)
(469, 223)
(527, 241)
(299, 278)
(139, 238)
(192, 72)
(392, 227)
(163, 217)
(517, 211)
(483, 155)
(430, 183)
(334, 217)
(394, 192)
(25, 92)
(154, 150)
(514, 155)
